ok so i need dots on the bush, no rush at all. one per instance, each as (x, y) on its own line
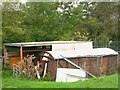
(48, 77)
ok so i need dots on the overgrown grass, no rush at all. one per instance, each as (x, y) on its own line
(101, 82)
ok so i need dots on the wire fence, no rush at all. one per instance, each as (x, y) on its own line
(115, 45)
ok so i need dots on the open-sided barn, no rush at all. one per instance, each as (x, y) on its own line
(64, 54)
(15, 52)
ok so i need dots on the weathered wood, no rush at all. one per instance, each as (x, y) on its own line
(36, 50)
(28, 68)
(38, 75)
(21, 53)
(16, 70)
(45, 70)
(4, 56)
(77, 66)
(109, 63)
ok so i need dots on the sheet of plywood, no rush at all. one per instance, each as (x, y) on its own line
(73, 78)
(63, 75)
(14, 60)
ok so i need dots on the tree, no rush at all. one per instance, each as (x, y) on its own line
(107, 17)
(12, 18)
(51, 21)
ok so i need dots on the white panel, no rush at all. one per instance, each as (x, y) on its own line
(72, 78)
(84, 46)
(62, 47)
(62, 75)
(74, 46)
(83, 53)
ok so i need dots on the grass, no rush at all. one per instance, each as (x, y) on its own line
(101, 82)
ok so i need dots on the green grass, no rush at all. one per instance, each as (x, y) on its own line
(101, 82)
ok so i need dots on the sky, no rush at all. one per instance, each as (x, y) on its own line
(23, 1)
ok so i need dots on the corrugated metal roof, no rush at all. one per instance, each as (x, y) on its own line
(29, 44)
(83, 53)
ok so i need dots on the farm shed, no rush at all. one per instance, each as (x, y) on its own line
(97, 61)
(15, 52)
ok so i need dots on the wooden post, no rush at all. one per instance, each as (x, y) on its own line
(21, 53)
(58, 62)
(38, 75)
(97, 66)
(4, 56)
(45, 68)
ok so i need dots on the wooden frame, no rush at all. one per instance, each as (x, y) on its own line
(21, 53)
(4, 55)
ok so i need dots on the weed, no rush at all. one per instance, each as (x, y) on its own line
(48, 77)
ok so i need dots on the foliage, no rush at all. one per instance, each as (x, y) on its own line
(48, 77)
(13, 30)
(107, 18)
(43, 21)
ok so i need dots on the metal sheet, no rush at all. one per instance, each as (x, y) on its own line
(29, 44)
(83, 53)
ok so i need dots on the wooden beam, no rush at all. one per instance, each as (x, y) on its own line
(77, 66)
(21, 53)
(4, 56)
(38, 75)
(36, 50)
(45, 68)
